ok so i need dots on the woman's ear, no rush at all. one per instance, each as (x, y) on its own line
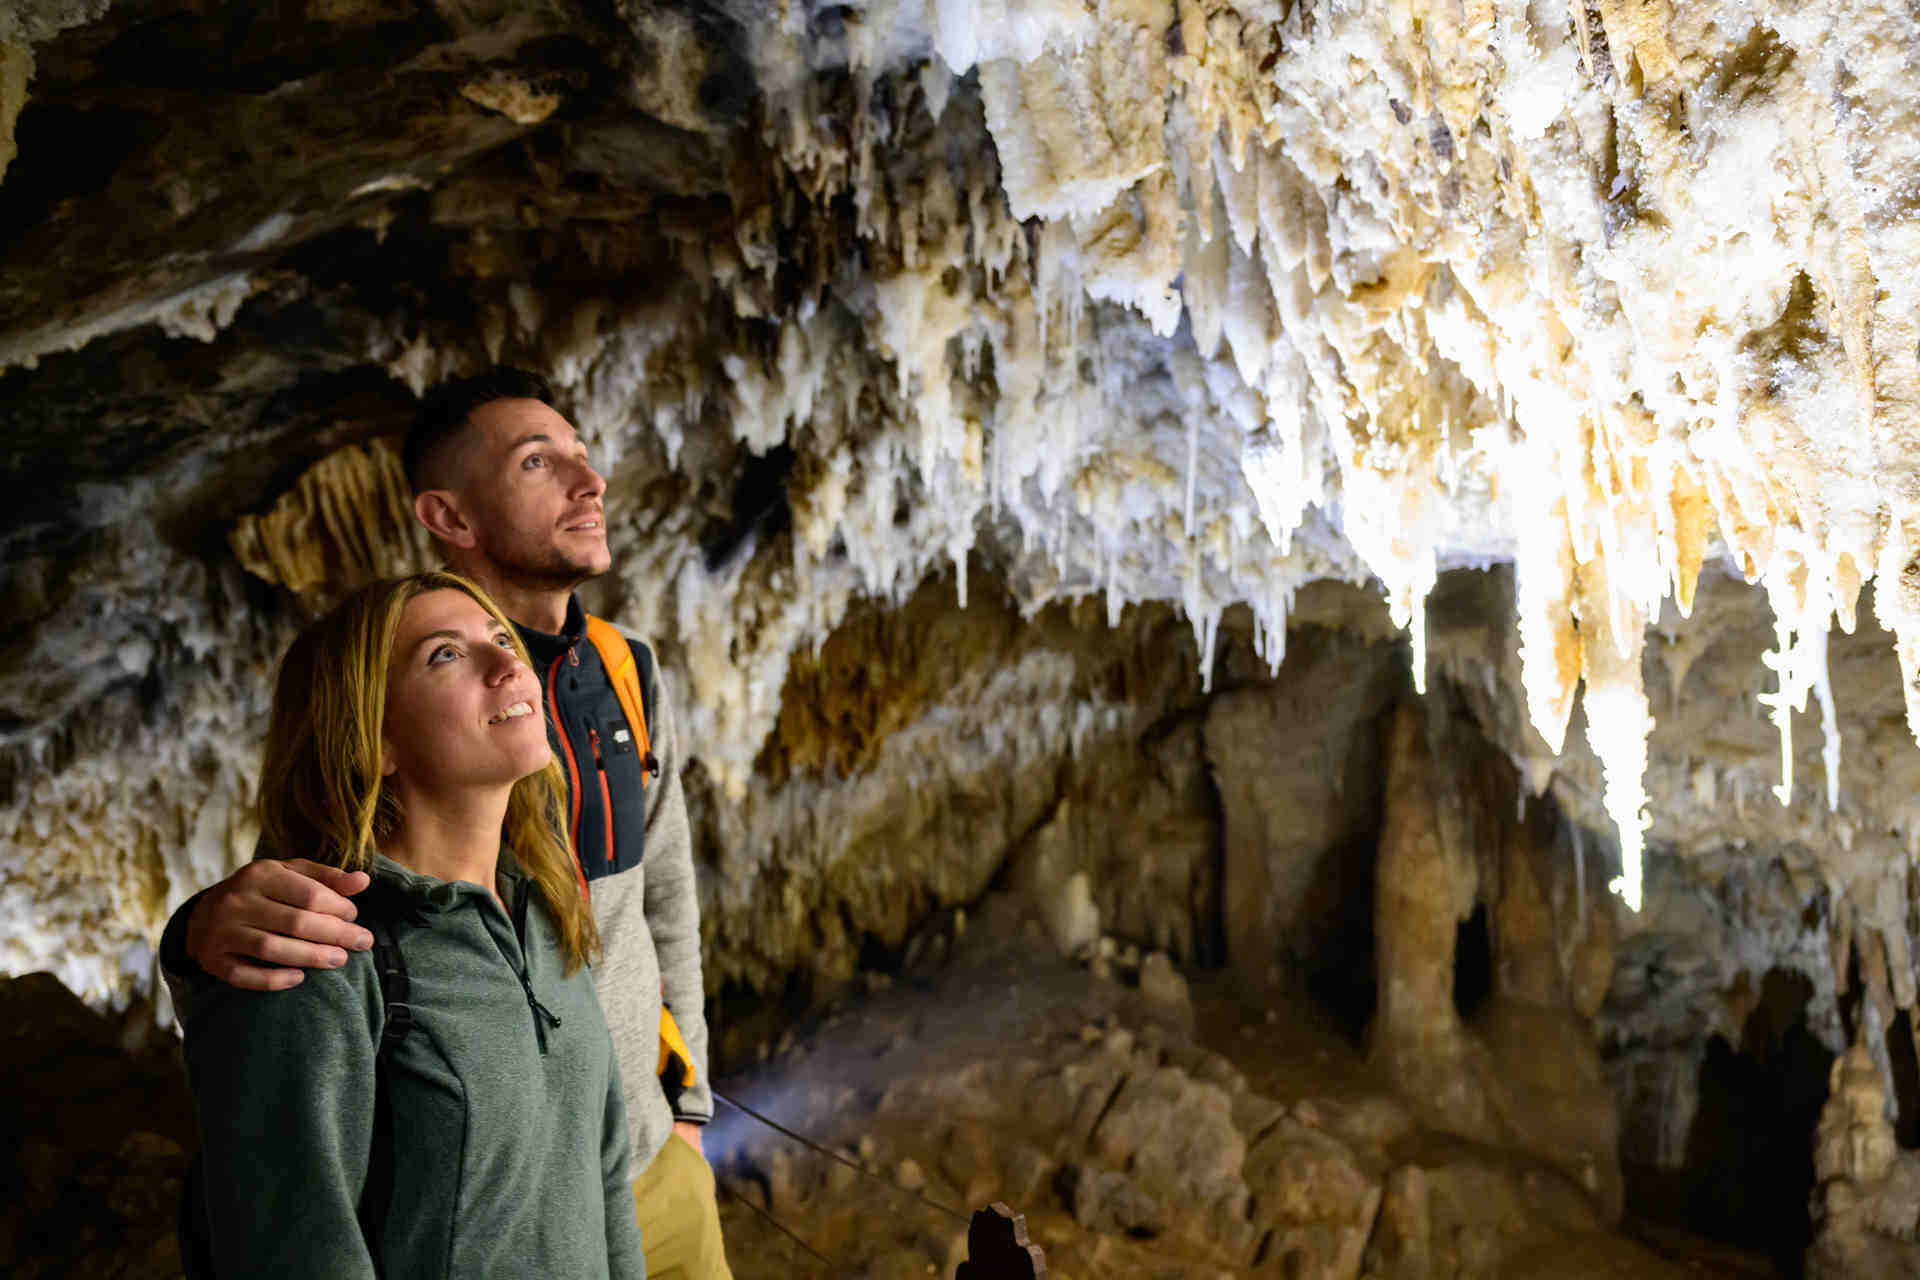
(387, 766)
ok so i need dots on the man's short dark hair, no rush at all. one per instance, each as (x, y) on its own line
(445, 409)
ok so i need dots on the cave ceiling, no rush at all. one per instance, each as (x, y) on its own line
(1188, 303)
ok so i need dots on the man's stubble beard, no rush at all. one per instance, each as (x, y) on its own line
(548, 568)
(557, 572)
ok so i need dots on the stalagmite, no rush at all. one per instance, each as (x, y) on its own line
(1423, 886)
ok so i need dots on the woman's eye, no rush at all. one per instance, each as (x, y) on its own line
(504, 640)
(445, 652)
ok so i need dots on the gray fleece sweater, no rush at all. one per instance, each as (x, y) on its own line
(649, 918)
(647, 907)
(510, 1146)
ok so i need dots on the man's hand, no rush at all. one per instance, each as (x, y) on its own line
(691, 1132)
(294, 913)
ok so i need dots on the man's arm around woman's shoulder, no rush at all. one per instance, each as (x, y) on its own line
(261, 927)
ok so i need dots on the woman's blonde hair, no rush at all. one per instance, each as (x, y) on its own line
(322, 793)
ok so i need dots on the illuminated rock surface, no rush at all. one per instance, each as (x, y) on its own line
(1048, 442)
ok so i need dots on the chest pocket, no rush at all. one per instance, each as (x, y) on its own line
(626, 790)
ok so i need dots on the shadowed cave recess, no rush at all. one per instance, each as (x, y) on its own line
(1296, 624)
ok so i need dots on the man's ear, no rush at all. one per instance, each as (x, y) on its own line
(439, 510)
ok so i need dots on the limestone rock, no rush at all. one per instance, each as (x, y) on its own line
(1061, 896)
(1104, 1200)
(1162, 987)
(1869, 1190)
(1424, 885)
(1297, 764)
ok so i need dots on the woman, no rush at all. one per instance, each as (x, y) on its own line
(407, 740)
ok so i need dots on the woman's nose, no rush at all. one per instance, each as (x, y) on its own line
(503, 666)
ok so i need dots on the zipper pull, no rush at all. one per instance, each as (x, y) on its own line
(573, 656)
(606, 796)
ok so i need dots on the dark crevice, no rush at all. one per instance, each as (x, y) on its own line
(1747, 1175)
(1210, 887)
(1906, 1079)
(759, 507)
(1338, 968)
(1472, 963)
(65, 155)
(1106, 1108)
(251, 48)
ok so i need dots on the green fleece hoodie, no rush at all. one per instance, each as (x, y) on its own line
(510, 1143)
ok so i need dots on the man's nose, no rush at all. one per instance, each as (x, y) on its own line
(587, 483)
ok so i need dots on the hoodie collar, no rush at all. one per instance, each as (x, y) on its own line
(545, 647)
(430, 894)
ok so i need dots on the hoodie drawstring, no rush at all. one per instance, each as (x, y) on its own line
(543, 1017)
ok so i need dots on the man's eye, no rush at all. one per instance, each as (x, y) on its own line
(535, 460)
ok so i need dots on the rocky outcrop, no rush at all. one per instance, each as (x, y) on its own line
(1133, 1149)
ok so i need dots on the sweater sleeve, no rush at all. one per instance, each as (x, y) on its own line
(673, 903)
(284, 1086)
(183, 977)
(625, 1258)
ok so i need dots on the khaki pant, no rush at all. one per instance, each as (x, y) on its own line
(673, 1200)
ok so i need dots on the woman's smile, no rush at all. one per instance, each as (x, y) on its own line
(513, 712)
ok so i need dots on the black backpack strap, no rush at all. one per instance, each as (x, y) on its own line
(643, 667)
(383, 913)
(391, 966)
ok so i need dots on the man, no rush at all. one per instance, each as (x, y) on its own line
(503, 483)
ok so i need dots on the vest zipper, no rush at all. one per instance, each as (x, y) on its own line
(573, 771)
(606, 796)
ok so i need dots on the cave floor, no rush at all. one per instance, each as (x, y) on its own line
(1213, 1138)
(1228, 1137)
